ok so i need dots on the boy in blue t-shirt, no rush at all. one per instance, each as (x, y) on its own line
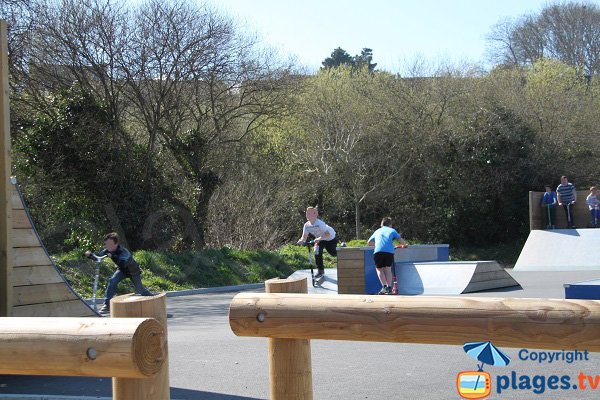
(383, 240)
(548, 202)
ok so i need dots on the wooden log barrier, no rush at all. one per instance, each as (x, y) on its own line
(103, 347)
(290, 365)
(156, 387)
(508, 322)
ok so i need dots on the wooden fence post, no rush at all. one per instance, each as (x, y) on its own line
(156, 387)
(290, 366)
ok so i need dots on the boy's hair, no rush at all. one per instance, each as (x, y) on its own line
(547, 186)
(386, 221)
(563, 177)
(113, 236)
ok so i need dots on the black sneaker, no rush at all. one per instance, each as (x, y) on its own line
(105, 309)
(319, 275)
(383, 290)
(388, 290)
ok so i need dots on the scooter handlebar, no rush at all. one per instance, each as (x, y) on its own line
(96, 258)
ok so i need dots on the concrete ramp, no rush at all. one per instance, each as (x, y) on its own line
(451, 277)
(329, 285)
(561, 250)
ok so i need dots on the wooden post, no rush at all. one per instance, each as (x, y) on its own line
(156, 387)
(532, 211)
(534, 323)
(81, 346)
(6, 256)
(290, 365)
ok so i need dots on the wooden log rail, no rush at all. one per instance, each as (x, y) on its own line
(102, 347)
(508, 322)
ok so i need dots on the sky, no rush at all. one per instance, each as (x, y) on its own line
(398, 31)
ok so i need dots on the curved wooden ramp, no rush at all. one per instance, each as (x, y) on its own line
(38, 288)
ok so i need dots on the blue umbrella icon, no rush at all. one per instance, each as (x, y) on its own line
(487, 353)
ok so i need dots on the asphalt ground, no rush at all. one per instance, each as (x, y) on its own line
(207, 361)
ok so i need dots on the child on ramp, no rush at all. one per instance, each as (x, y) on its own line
(127, 267)
(324, 238)
(383, 240)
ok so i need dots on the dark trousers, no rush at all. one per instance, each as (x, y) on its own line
(330, 246)
(569, 215)
(117, 277)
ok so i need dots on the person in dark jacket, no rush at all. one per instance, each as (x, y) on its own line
(127, 267)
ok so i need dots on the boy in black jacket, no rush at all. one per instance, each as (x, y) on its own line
(127, 268)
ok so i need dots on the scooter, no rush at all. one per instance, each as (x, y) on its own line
(395, 286)
(98, 261)
(315, 282)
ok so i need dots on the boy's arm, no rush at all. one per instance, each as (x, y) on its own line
(304, 235)
(97, 257)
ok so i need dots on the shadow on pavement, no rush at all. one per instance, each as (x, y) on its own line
(89, 387)
(181, 394)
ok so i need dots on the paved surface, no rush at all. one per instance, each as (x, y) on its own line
(208, 362)
(560, 250)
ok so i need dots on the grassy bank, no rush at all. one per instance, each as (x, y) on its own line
(167, 271)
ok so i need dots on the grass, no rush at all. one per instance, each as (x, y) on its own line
(169, 271)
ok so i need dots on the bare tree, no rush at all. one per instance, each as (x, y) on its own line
(200, 89)
(79, 42)
(568, 32)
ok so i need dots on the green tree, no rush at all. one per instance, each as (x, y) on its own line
(88, 177)
(345, 145)
(364, 59)
(338, 58)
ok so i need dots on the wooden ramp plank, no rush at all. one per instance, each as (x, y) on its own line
(24, 238)
(28, 256)
(34, 294)
(20, 219)
(15, 200)
(71, 308)
(35, 275)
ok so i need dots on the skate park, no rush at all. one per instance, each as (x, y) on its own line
(208, 361)
(203, 348)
